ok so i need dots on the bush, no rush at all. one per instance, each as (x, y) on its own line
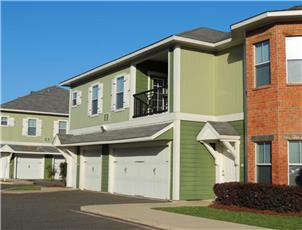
(279, 198)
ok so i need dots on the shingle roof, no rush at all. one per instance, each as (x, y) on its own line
(26, 148)
(52, 99)
(122, 134)
(298, 7)
(205, 34)
(224, 128)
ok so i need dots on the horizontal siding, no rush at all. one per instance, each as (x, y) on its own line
(197, 169)
(105, 168)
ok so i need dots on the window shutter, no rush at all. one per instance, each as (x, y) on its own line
(24, 126)
(89, 100)
(79, 97)
(113, 94)
(126, 91)
(11, 121)
(100, 100)
(55, 128)
(39, 127)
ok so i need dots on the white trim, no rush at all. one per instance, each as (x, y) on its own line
(176, 79)
(266, 15)
(132, 79)
(256, 160)
(176, 161)
(291, 164)
(24, 143)
(35, 112)
(7, 121)
(287, 59)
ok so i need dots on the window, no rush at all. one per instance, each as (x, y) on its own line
(74, 98)
(120, 92)
(62, 127)
(264, 162)
(32, 127)
(294, 59)
(295, 162)
(262, 64)
(4, 121)
(94, 99)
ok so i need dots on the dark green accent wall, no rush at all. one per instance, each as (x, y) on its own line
(48, 163)
(141, 81)
(78, 167)
(197, 168)
(168, 135)
(239, 126)
(105, 168)
(12, 166)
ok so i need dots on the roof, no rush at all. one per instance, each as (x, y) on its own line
(113, 135)
(224, 128)
(206, 35)
(52, 99)
(32, 149)
(298, 7)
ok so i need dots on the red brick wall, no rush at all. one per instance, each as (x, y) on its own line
(275, 109)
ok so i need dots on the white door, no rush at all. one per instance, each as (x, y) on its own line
(57, 162)
(4, 165)
(141, 172)
(30, 166)
(91, 168)
(228, 167)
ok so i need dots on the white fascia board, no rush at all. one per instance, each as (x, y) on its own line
(267, 15)
(36, 153)
(34, 112)
(154, 136)
(25, 143)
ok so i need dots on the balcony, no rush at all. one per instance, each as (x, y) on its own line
(151, 102)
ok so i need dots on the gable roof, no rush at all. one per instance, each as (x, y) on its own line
(224, 128)
(52, 99)
(206, 34)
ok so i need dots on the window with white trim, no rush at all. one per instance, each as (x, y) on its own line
(74, 98)
(294, 59)
(32, 127)
(94, 99)
(120, 92)
(62, 127)
(295, 162)
(264, 162)
(262, 64)
(4, 121)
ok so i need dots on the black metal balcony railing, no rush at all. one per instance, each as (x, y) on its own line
(151, 102)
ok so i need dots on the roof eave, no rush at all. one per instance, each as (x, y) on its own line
(32, 111)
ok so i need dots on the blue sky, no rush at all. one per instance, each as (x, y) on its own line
(44, 43)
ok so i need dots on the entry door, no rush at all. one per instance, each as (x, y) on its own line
(91, 165)
(30, 167)
(57, 162)
(228, 167)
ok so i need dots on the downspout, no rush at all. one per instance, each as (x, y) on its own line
(245, 110)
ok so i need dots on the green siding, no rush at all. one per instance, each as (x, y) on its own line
(239, 126)
(12, 166)
(168, 135)
(141, 81)
(197, 168)
(14, 133)
(78, 167)
(105, 168)
(48, 163)
(79, 115)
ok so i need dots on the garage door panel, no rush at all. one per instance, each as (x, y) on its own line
(29, 167)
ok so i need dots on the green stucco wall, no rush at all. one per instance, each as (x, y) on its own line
(47, 165)
(14, 133)
(141, 81)
(197, 169)
(79, 115)
(105, 168)
(212, 83)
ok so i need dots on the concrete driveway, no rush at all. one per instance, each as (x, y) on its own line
(61, 210)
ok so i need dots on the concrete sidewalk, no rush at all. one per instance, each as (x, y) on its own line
(144, 214)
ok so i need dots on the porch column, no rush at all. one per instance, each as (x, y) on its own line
(132, 90)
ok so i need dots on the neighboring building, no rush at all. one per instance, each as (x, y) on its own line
(28, 126)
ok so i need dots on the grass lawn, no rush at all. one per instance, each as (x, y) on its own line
(27, 187)
(261, 220)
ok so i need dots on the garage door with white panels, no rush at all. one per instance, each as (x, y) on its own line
(29, 166)
(140, 171)
(91, 168)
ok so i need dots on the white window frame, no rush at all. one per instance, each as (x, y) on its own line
(66, 126)
(76, 99)
(291, 164)
(31, 118)
(91, 100)
(262, 164)
(123, 107)
(290, 83)
(7, 124)
(267, 62)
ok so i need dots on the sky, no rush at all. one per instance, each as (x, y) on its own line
(44, 43)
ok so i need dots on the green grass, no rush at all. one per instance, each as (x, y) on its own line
(261, 220)
(29, 187)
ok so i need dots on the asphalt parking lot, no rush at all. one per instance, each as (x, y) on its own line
(61, 210)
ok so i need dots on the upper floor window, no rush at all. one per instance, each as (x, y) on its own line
(32, 127)
(264, 162)
(62, 127)
(262, 64)
(4, 121)
(295, 162)
(120, 92)
(95, 99)
(76, 98)
(294, 59)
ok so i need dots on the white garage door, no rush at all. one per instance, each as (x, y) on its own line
(30, 167)
(4, 165)
(57, 162)
(91, 169)
(141, 172)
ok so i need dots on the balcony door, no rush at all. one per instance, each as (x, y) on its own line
(159, 85)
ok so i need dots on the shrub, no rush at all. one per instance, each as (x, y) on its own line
(63, 171)
(280, 198)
